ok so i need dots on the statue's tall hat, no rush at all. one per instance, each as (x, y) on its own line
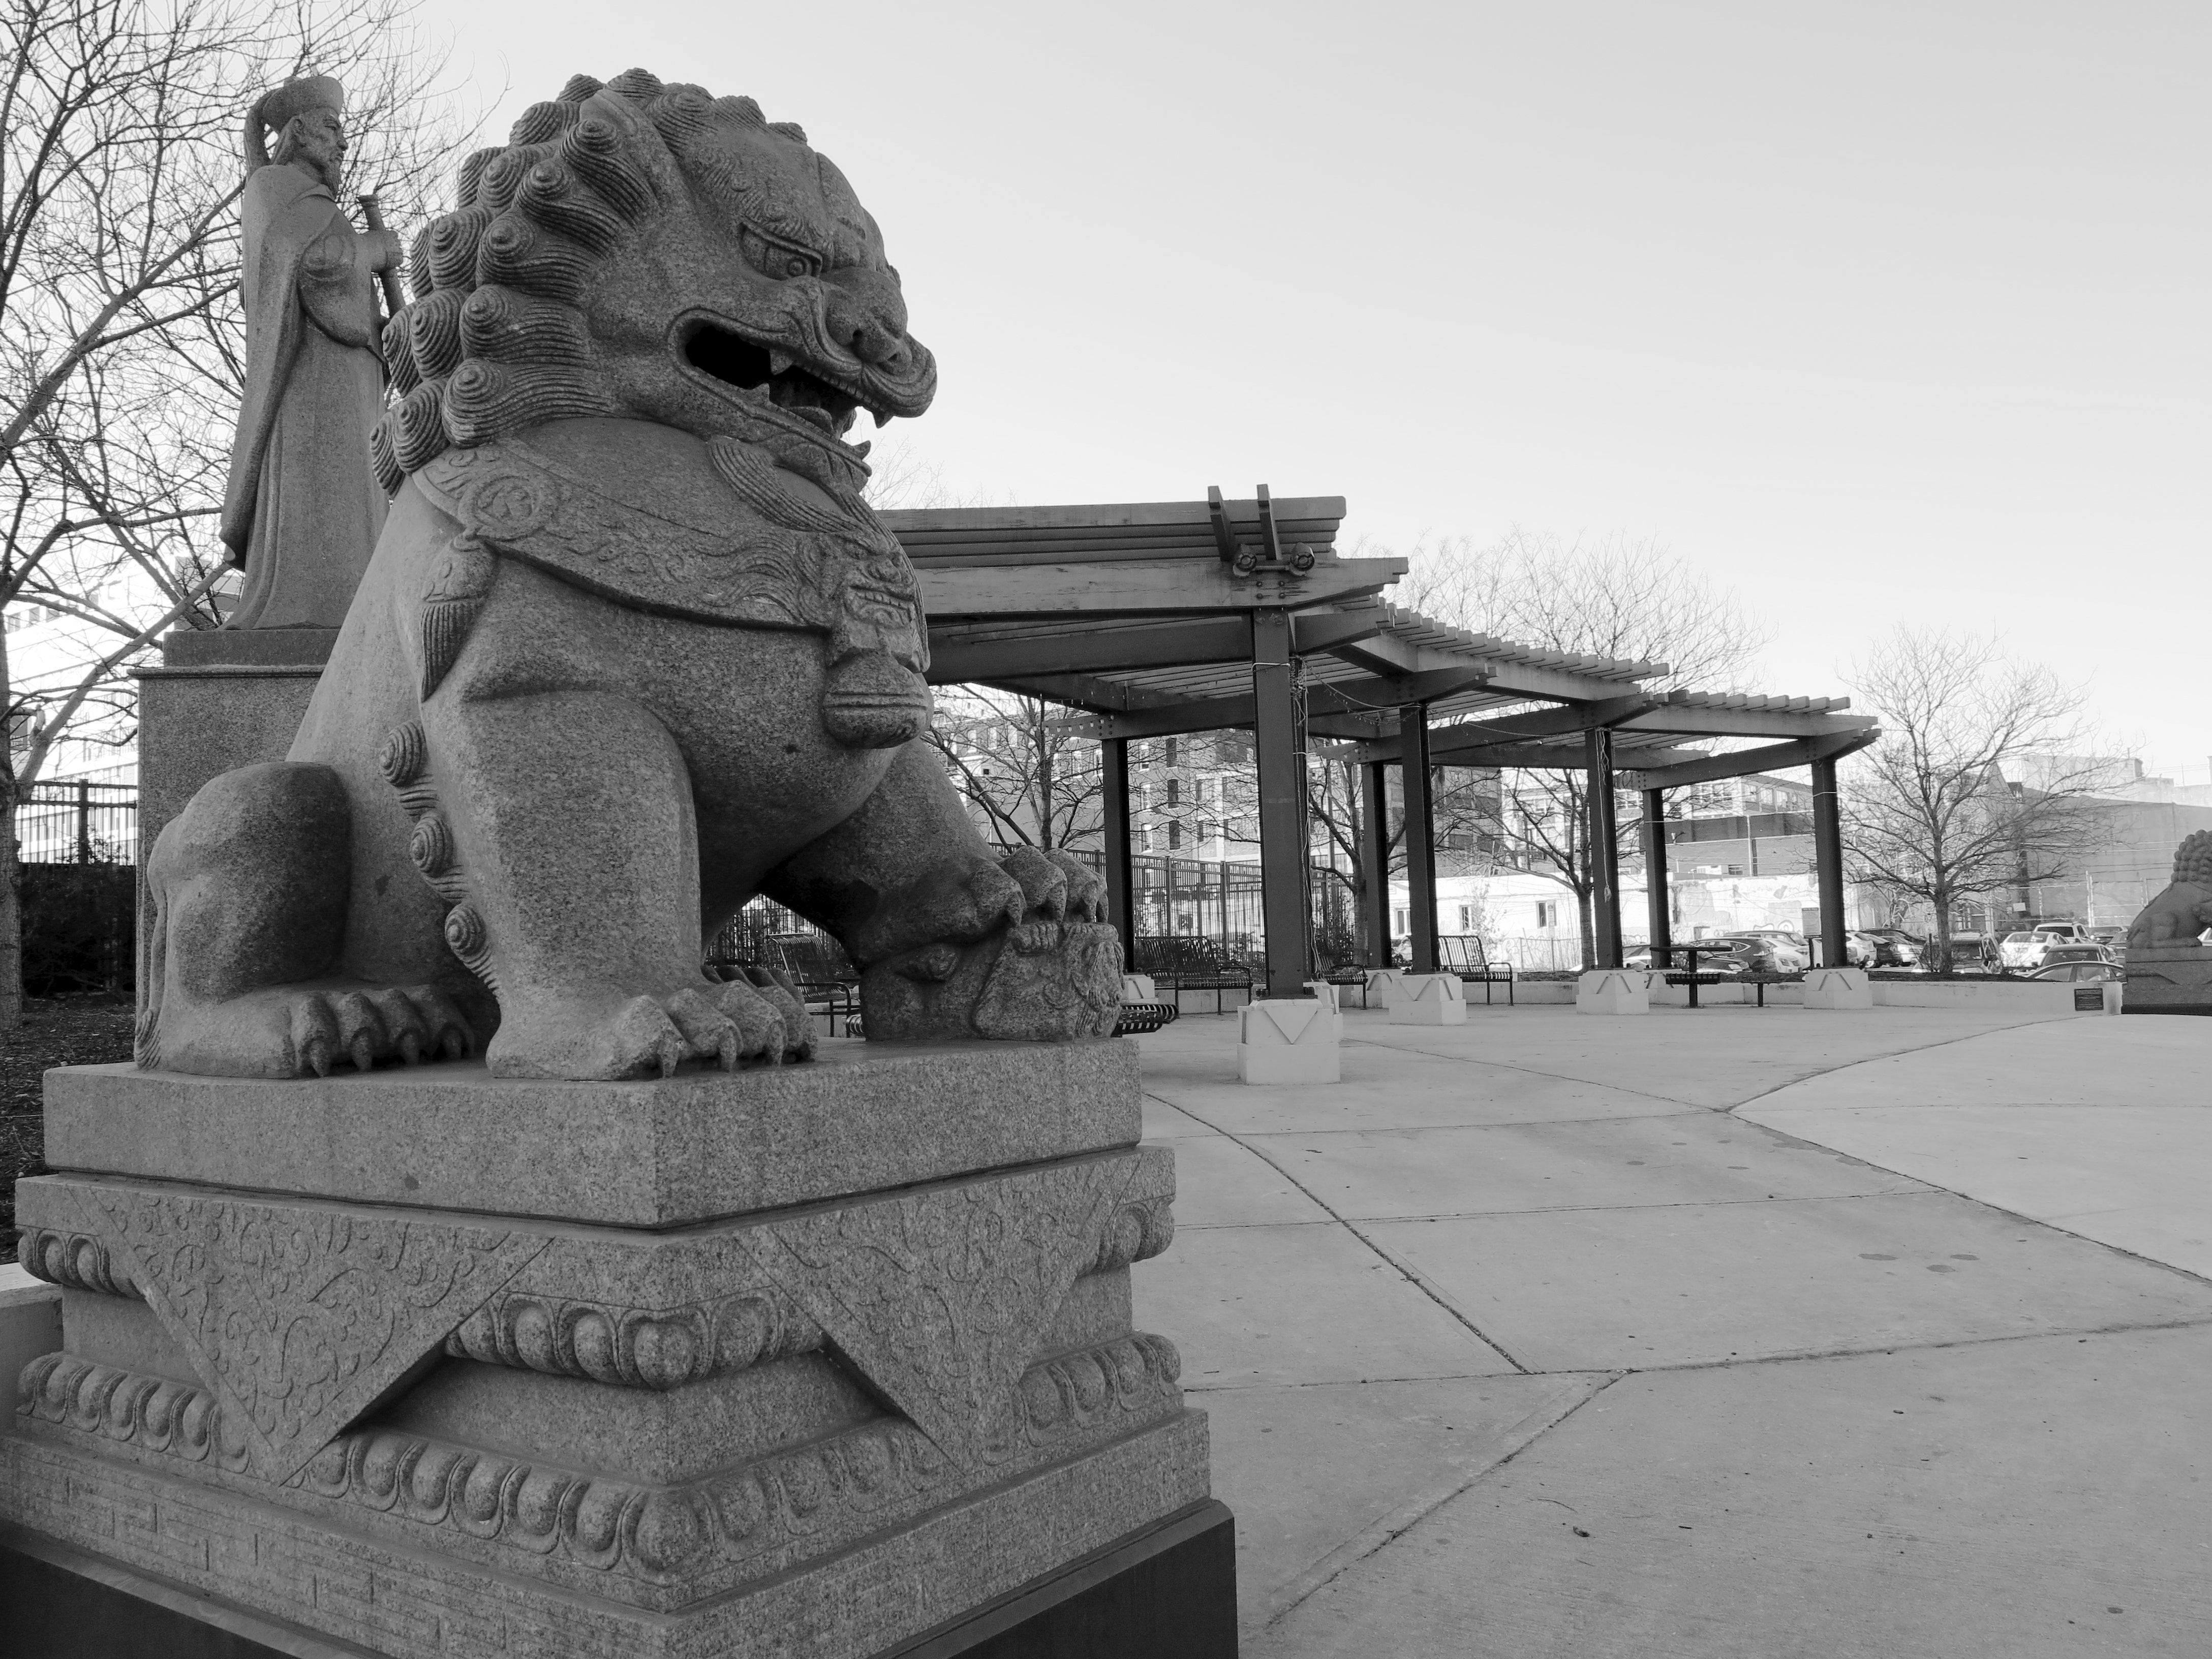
(280, 104)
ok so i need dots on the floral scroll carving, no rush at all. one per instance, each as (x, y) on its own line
(300, 1316)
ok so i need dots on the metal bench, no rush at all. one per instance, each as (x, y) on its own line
(1235, 979)
(1138, 1018)
(1693, 981)
(1464, 954)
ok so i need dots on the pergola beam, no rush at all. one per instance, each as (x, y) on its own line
(1385, 655)
(1182, 643)
(1770, 757)
(1537, 723)
(1141, 587)
(1746, 723)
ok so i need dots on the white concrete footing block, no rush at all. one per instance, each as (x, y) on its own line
(1837, 987)
(1325, 994)
(2115, 996)
(1429, 1000)
(1138, 988)
(1385, 987)
(1288, 1040)
(1613, 991)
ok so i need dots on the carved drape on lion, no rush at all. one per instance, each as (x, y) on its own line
(631, 649)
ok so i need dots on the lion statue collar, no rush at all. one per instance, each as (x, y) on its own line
(714, 530)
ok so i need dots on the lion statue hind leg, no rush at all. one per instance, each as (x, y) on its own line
(247, 895)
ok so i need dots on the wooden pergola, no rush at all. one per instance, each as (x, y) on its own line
(1166, 618)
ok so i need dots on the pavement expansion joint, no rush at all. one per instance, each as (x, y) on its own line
(1404, 1272)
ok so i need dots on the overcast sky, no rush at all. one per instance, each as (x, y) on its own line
(1875, 310)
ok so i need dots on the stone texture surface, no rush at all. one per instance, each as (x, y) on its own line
(214, 706)
(653, 1154)
(620, 480)
(30, 1324)
(269, 1555)
(2169, 978)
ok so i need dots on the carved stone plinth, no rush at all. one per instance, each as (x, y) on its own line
(2169, 979)
(219, 698)
(438, 1364)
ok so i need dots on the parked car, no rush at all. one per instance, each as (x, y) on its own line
(2019, 951)
(1861, 949)
(2081, 972)
(1728, 953)
(1790, 948)
(1895, 948)
(2055, 954)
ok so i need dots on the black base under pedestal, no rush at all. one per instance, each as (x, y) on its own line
(1168, 1593)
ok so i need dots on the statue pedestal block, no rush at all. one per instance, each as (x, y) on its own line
(2169, 979)
(821, 1358)
(218, 699)
(1613, 991)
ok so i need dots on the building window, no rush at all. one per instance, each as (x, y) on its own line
(1175, 792)
(1174, 830)
(1171, 752)
(1547, 913)
(1466, 919)
(1399, 926)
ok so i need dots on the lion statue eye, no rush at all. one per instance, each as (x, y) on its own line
(775, 259)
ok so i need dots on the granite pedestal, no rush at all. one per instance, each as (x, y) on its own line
(828, 1358)
(2169, 979)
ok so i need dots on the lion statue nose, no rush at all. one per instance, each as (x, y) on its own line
(867, 317)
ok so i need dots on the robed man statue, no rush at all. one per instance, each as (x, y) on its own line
(303, 509)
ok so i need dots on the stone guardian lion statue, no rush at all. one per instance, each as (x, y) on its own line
(631, 649)
(2183, 910)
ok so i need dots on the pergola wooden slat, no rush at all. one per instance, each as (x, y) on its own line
(1164, 617)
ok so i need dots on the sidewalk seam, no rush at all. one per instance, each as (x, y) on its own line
(1404, 1272)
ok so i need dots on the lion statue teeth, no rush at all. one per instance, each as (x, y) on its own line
(631, 650)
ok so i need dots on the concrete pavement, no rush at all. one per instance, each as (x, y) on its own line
(1700, 1332)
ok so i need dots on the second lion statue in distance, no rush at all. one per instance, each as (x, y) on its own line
(631, 650)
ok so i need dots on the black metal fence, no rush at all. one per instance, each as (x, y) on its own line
(68, 822)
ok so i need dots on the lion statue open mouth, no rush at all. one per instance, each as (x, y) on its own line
(631, 650)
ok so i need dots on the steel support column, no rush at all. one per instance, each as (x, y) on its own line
(1375, 861)
(1282, 804)
(1659, 916)
(1828, 863)
(1604, 847)
(1120, 885)
(1420, 835)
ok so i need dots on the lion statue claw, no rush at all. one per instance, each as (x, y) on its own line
(631, 650)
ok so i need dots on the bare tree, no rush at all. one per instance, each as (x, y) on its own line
(1029, 768)
(1627, 597)
(1985, 779)
(1462, 808)
(121, 353)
